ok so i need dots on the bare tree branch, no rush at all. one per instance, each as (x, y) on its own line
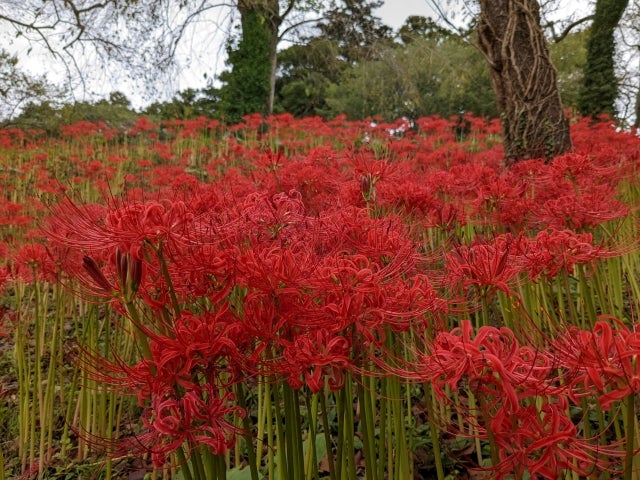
(567, 30)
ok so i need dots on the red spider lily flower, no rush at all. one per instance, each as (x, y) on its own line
(128, 227)
(368, 172)
(540, 441)
(35, 261)
(488, 267)
(504, 201)
(202, 416)
(554, 250)
(184, 386)
(486, 362)
(601, 362)
(579, 211)
(313, 357)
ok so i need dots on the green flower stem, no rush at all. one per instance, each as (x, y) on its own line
(281, 446)
(184, 464)
(566, 285)
(630, 435)
(327, 436)
(493, 447)
(262, 416)
(473, 428)
(167, 278)
(251, 454)
(271, 447)
(345, 406)
(293, 432)
(383, 414)
(311, 460)
(587, 297)
(195, 458)
(433, 430)
(368, 428)
(141, 339)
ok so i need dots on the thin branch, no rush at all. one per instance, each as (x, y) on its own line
(568, 28)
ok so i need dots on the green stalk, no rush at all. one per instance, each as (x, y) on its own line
(184, 465)
(23, 367)
(141, 339)
(340, 450)
(630, 435)
(281, 446)
(327, 436)
(493, 447)
(311, 460)
(368, 430)
(210, 463)
(573, 314)
(293, 432)
(348, 466)
(242, 402)
(433, 429)
(382, 441)
(587, 297)
(402, 454)
(270, 437)
(262, 411)
(38, 394)
(196, 462)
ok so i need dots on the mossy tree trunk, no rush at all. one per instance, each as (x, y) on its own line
(524, 79)
(249, 86)
(600, 84)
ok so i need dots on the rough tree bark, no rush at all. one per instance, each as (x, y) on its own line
(524, 79)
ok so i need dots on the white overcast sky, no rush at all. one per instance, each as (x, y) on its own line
(395, 12)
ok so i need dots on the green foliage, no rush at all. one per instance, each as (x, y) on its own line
(600, 86)
(46, 115)
(427, 77)
(247, 86)
(569, 58)
(187, 104)
(306, 74)
(422, 27)
(359, 33)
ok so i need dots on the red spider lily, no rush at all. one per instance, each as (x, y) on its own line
(491, 363)
(488, 267)
(504, 201)
(580, 210)
(540, 441)
(127, 228)
(184, 386)
(35, 261)
(368, 172)
(554, 250)
(202, 416)
(485, 362)
(601, 362)
(312, 357)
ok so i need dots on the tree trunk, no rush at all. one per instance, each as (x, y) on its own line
(247, 87)
(600, 85)
(524, 79)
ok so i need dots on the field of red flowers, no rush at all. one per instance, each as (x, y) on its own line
(306, 299)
